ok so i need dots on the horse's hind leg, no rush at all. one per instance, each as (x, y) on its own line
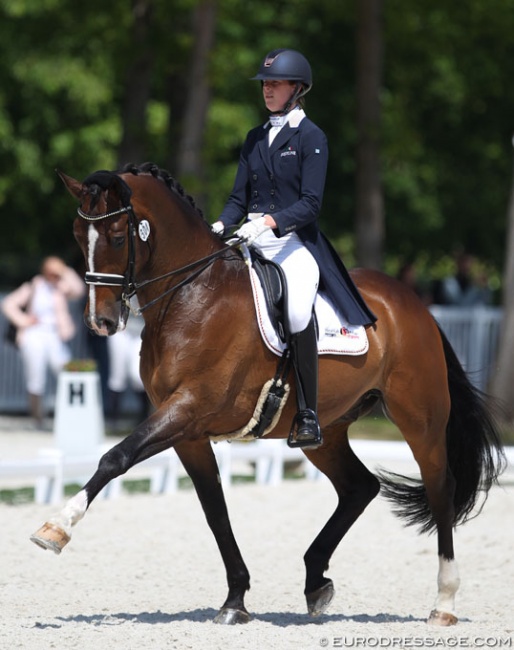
(422, 421)
(356, 487)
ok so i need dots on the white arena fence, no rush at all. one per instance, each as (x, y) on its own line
(265, 461)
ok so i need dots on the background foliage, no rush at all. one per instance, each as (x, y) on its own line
(67, 78)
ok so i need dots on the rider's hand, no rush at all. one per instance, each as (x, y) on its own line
(251, 230)
(218, 228)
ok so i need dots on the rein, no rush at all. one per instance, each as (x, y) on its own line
(128, 281)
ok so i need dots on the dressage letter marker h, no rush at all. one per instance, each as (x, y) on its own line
(79, 423)
(77, 391)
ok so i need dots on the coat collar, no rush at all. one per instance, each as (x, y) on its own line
(292, 124)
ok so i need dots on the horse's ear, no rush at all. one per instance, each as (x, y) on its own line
(73, 186)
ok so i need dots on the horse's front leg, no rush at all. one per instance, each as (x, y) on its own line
(160, 431)
(200, 463)
(149, 438)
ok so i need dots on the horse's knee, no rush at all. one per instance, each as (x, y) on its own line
(114, 463)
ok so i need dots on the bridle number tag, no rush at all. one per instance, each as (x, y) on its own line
(144, 230)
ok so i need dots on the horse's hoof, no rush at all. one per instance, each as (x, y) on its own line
(229, 616)
(50, 537)
(443, 619)
(319, 600)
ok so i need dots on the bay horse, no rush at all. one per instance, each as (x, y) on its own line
(203, 364)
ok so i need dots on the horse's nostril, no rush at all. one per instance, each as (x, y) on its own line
(107, 324)
(101, 326)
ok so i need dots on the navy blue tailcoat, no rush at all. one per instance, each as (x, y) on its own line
(286, 180)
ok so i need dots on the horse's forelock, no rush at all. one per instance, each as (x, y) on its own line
(106, 180)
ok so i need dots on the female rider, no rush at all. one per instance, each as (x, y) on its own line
(278, 191)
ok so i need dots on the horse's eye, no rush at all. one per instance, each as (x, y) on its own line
(118, 241)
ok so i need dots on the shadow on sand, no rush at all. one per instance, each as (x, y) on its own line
(207, 614)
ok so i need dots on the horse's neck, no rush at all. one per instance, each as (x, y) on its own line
(181, 242)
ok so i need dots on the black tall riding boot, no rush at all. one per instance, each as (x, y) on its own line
(306, 431)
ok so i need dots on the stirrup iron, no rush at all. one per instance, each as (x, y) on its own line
(311, 439)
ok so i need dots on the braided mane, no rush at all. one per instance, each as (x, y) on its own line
(165, 177)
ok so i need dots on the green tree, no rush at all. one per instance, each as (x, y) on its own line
(55, 111)
(447, 100)
(90, 89)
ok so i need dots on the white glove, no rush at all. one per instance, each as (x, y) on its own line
(218, 227)
(251, 230)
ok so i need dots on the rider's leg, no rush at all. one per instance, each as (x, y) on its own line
(304, 348)
(302, 276)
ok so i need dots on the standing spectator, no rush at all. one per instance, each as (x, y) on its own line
(99, 351)
(39, 311)
(124, 350)
(462, 289)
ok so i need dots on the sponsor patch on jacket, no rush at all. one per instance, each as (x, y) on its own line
(288, 152)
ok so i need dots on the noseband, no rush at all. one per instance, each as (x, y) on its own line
(128, 280)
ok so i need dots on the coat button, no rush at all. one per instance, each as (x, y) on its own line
(272, 206)
(254, 177)
(254, 206)
(272, 192)
(255, 193)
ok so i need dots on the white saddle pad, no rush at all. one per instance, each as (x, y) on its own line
(335, 335)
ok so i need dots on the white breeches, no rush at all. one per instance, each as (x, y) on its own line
(301, 271)
(41, 348)
(124, 348)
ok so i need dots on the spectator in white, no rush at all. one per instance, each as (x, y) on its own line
(39, 311)
(124, 351)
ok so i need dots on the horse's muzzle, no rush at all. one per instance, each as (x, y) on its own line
(104, 326)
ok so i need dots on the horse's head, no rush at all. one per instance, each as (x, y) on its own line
(116, 230)
(108, 235)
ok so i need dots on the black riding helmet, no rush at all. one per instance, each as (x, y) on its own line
(288, 65)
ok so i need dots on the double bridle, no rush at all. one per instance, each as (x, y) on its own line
(128, 280)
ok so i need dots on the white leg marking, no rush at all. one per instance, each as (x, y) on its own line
(448, 582)
(72, 512)
(92, 236)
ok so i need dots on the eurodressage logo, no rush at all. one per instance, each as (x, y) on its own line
(404, 642)
(288, 152)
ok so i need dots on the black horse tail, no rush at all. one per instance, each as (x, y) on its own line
(475, 455)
